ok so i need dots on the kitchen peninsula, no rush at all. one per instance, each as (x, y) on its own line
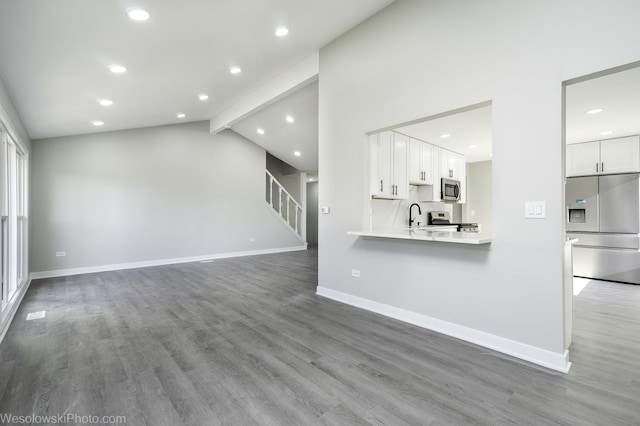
(427, 234)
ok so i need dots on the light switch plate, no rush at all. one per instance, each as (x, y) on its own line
(325, 209)
(535, 209)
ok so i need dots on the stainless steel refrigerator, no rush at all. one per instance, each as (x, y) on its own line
(603, 212)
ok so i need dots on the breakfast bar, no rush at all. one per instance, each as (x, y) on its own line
(426, 234)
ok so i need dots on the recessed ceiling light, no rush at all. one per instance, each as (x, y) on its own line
(138, 14)
(181, 115)
(260, 131)
(445, 135)
(290, 119)
(473, 146)
(595, 111)
(282, 31)
(97, 123)
(105, 102)
(203, 97)
(117, 69)
(297, 153)
(235, 70)
(606, 132)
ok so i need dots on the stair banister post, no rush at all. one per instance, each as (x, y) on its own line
(271, 190)
(303, 205)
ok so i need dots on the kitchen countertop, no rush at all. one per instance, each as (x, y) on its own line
(426, 234)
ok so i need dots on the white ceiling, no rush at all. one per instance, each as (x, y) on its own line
(618, 94)
(282, 138)
(470, 133)
(54, 56)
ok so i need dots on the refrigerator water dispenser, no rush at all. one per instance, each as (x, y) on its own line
(577, 215)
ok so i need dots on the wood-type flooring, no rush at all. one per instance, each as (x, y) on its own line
(246, 341)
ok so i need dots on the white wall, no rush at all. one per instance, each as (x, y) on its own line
(420, 58)
(148, 194)
(479, 195)
(8, 112)
(287, 175)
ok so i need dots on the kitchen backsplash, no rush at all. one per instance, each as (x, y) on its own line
(395, 213)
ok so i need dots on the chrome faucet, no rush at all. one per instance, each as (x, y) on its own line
(411, 219)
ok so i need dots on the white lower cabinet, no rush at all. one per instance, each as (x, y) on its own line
(389, 171)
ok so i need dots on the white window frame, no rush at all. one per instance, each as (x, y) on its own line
(13, 218)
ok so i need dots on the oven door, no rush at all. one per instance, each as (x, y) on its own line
(450, 190)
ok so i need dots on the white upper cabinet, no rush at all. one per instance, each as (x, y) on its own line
(451, 164)
(398, 161)
(621, 155)
(389, 156)
(400, 165)
(583, 159)
(420, 162)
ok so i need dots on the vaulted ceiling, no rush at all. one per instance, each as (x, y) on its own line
(55, 56)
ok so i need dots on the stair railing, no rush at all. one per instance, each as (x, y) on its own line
(284, 205)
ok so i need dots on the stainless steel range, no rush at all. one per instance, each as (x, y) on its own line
(437, 218)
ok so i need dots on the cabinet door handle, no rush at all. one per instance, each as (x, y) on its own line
(381, 185)
(597, 168)
(602, 167)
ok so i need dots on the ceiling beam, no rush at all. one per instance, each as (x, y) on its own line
(299, 75)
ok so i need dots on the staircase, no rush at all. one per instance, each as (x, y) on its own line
(285, 207)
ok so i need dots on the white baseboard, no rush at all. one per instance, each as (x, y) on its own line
(14, 305)
(543, 357)
(145, 264)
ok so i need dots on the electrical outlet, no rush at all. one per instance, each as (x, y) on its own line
(61, 253)
(355, 273)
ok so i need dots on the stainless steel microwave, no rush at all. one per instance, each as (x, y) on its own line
(450, 189)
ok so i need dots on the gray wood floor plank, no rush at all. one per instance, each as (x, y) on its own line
(245, 341)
